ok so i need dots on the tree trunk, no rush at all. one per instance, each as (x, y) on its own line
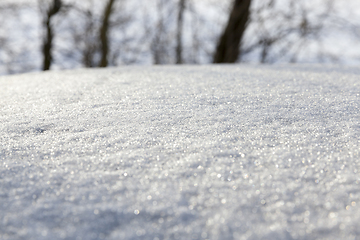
(91, 46)
(47, 44)
(179, 46)
(228, 48)
(104, 39)
(158, 43)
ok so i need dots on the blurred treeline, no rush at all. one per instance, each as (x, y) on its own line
(62, 34)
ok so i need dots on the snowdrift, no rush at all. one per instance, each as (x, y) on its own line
(190, 152)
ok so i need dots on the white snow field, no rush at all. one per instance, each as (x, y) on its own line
(190, 152)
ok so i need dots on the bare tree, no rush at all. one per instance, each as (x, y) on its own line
(228, 48)
(104, 29)
(163, 33)
(94, 29)
(284, 31)
(91, 47)
(83, 29)
(158, 44)
(101, 33)
(49, 13)
(179, 35)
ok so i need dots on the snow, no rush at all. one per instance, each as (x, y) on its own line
(190, 152)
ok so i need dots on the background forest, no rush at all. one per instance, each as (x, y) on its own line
(62, 34)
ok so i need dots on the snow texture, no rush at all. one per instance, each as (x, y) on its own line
(191, 152)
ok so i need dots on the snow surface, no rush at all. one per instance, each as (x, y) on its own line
(191, 152)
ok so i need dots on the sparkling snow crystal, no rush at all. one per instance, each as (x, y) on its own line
(202, 152)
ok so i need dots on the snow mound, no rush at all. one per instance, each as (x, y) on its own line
(191, 152)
